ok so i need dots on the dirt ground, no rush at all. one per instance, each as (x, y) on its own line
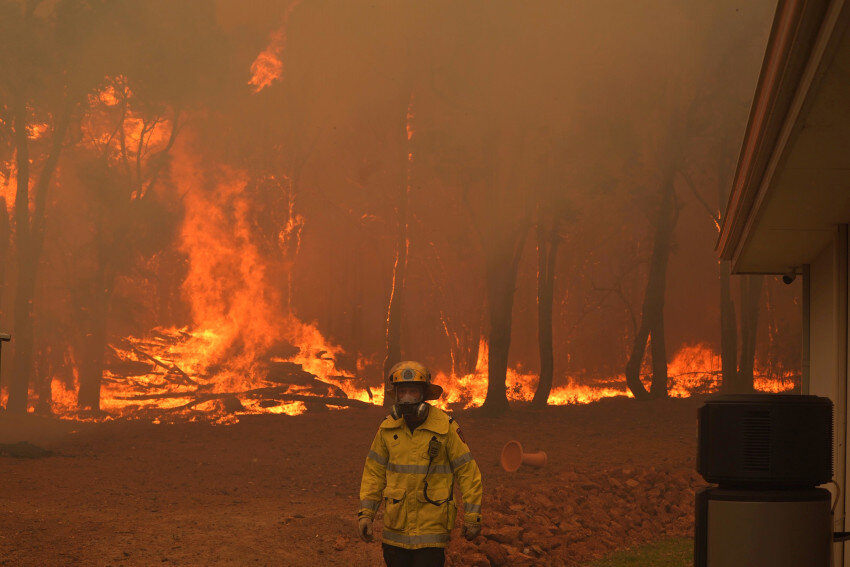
(281, 490)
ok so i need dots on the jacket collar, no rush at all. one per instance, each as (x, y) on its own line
(437, 421)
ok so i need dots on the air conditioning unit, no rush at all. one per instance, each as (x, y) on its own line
(767, 454)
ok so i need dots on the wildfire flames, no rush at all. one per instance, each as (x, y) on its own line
(242, 349)
(176, 355)
(268, 67)
(245, 352)
(694, 370)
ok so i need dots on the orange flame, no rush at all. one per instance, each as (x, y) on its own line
(241, 327)
(695, 369)
(36, 131)
(268, 66)
(239, 331)
(117, 129)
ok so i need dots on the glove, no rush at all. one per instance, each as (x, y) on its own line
(364, 528)
(470, 530)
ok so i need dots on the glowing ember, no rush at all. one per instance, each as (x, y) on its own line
(36, 131)
(776, 386)
(64, 399)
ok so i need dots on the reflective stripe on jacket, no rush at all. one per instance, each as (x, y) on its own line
(395, 472)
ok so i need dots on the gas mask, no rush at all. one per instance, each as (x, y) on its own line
(410, 402)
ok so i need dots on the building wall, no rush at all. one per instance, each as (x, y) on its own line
(828, 343)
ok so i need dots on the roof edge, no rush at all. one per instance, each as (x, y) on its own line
(795, 29)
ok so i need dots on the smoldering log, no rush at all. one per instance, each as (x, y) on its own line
(173, 368)
(130, 368)
(293, 374)
(275, 393)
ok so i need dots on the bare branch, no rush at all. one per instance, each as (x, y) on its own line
(715, 217)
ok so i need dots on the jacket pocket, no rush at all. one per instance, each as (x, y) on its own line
(434, 517)
(452, 514)
(394, 509)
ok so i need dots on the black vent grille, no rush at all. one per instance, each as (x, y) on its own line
(831, 449)
(756, 441)
(765, 441)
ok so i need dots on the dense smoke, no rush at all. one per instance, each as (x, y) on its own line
(255, 174)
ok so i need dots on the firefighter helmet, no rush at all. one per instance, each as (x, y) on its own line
(408, 372)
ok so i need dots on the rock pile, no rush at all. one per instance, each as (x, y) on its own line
(573, 518)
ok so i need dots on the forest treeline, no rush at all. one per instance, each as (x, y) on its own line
(418, 179)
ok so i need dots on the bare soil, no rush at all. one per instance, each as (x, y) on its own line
(281, 490)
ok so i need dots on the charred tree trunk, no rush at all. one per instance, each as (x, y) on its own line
(463, 345)
(22, 370)
(658, 348)
(652, 314)
(502, 266)
(469, 346)
(396, 305)
(30, 240)
(23, 321)
(728, 319)
(463, 337)
(95, 341)
(5, 240)
(469, 349)
(547, 253)
(635, 362)
(751, 287)
(728, 332)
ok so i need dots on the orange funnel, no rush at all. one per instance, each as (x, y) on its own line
(513, 457)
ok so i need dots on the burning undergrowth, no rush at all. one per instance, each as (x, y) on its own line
(245, 351)
(694, 370)
(242, 349)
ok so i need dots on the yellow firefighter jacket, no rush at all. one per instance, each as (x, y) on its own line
(395, 473)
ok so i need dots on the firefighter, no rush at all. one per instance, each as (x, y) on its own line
(417, 454)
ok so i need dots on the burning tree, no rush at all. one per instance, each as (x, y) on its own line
(207, 222)
(680, 131)
(49, 66)
(720, 113)
(396, 302)
(130, 132)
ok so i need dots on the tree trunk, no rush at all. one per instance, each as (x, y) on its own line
(659, 356)
(22, 368)
(633, 365)
(547, 253)
(30, 240)
(464, 343)
(396, 305)
(23, 361)
(728, 333)
(5, 241)
(469, 348)
(95, 341)
(652, 314)
(502, 266)
(751, 287)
